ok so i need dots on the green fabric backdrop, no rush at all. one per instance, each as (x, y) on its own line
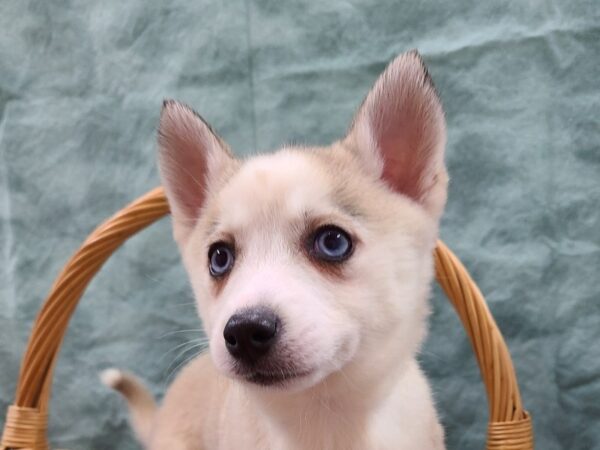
(81, 84)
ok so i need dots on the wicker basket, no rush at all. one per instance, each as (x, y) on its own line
(26, 421)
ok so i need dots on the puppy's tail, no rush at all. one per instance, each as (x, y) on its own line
(142, 407)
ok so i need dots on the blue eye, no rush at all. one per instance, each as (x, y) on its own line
(220, 259)
(332, 244)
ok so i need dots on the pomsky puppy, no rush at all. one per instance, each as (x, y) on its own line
(311, 268)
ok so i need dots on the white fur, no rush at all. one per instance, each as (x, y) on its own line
(111, 377)
(352, 331)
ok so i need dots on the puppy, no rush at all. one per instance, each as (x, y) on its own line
(311, 268)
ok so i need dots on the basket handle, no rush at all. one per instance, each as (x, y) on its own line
(26, 421)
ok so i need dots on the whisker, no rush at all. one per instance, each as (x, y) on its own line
(151, 278)
(430, 353)
(191, 330)
(180, 305)
(174, 371)
(184, 351)
(193, 342)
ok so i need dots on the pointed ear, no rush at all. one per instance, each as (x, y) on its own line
(191, 159)
(399, 133)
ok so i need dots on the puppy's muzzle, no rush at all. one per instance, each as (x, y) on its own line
(251, 333)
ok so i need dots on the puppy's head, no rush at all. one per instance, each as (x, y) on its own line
(313, 262)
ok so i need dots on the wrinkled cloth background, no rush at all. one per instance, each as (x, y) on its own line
(81, 85)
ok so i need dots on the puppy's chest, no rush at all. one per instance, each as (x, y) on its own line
(309, 435)
(323, 427)
(404, 419)
(302, 436)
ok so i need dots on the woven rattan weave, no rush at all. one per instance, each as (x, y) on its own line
(26, 421)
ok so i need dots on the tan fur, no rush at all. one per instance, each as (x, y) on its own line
(351, 331)
(142, 405)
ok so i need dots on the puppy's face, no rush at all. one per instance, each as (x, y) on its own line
(313, 262)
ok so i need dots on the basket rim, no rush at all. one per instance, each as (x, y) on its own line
(508, 425)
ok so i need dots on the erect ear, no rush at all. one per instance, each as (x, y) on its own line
(191, 159)
(400, 133)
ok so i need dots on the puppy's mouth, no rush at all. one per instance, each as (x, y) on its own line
(274, 378)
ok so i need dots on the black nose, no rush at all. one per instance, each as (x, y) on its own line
(250, 333)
